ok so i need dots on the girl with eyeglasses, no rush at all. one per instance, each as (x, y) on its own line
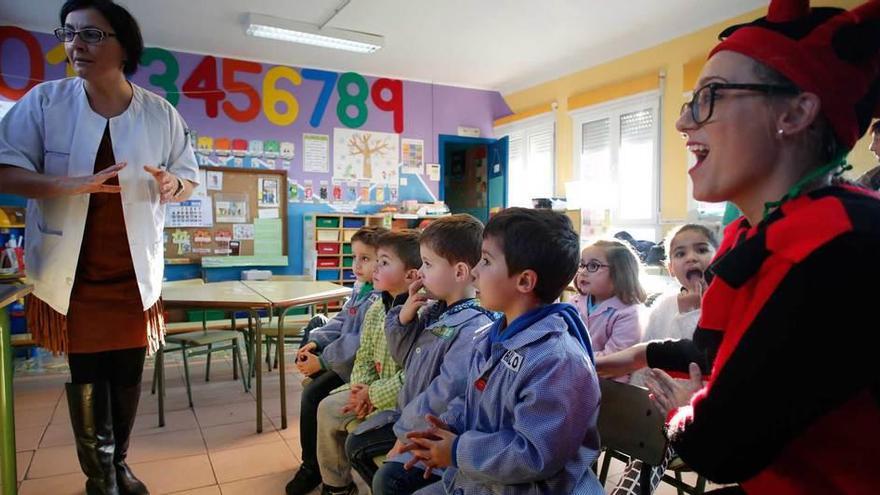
(97, 156)
(609, 296)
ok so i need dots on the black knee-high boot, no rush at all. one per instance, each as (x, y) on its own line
(90, 416)
(125, 403)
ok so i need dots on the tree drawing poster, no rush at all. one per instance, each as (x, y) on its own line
(368, 155)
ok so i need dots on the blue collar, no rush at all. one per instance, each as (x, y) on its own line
(498, 333)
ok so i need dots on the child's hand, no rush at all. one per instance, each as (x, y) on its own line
(311, 346)
(396, 450)
(359, 401)
(433, 446)
(668, 393)
(308, 364)
(691, 298)
(415, 301)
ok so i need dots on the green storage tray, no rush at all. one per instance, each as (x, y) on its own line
(347, 262)
(346, 249)
(327, 222)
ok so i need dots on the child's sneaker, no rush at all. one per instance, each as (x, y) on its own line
(351, 489)
(304, 481)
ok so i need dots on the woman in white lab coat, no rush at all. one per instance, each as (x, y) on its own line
(96, 156)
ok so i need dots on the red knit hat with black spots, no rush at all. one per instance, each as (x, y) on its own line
(830, 52)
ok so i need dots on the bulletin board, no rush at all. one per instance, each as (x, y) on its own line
(236, 217)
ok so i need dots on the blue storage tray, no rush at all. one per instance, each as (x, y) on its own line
(327, 275)
(348, 275)
(353, 223)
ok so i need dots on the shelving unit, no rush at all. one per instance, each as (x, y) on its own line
(327, 245)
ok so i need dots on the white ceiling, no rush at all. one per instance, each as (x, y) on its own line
(494, 44)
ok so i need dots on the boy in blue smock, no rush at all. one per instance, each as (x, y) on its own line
(431, 335)
(527, 420)
(327, 355)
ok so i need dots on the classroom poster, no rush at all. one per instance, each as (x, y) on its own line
(412, 156)
(316, 153)
(368, 155)
(268, 191)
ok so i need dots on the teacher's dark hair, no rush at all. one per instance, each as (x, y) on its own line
(123, 23)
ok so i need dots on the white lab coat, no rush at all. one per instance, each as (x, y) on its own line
(54, 131)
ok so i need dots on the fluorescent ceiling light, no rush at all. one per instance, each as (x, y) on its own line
(277, 28)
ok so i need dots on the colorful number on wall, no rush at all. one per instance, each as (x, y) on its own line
(35, 62)
(219, 85)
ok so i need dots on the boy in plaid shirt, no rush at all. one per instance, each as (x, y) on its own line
(376, 379)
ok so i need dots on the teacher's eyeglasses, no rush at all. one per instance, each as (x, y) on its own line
(90, 36)
(702, 104)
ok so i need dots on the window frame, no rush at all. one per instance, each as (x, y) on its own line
(613, 110)
(528, 127)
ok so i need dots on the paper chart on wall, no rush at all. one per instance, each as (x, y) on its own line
(316, 153)
(368, 155)
(412, 155)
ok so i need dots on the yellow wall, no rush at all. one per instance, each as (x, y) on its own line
(681, 59)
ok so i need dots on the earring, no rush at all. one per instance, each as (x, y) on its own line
(779, 131)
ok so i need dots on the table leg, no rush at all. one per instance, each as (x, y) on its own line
(160, 364)
(258, 361)
(7, 411)
(282, 378)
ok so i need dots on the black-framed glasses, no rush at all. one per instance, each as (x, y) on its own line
(702, 104)
(88, 35)
(591, 266)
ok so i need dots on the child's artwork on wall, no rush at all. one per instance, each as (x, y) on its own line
(366, 155)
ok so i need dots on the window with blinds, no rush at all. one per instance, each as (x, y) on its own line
(530, 161)
(618, 163)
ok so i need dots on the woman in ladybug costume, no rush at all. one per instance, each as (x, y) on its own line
(786, 336)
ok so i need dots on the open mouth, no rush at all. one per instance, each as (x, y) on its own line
(700, 151)
(694, 275)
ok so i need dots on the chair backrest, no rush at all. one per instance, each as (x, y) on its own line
(629, 423)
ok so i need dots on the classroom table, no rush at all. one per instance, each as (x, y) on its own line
(252, 297)
(231, 296)
(8, 294)
(285, 296)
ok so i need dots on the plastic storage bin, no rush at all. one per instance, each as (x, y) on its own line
(327, 275)
(353, 222)
(328, 248)
(327, 222)
(328, 236)
(328, 262)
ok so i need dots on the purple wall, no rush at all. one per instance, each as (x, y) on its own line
(429, 109)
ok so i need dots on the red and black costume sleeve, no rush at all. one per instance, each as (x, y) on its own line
(789, 331)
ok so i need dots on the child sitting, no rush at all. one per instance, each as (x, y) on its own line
(690, 250)
(328, 355)
(375, 378)
(609, 295)
(434, 340)
(527, 420)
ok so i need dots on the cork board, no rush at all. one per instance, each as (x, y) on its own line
(241, 216)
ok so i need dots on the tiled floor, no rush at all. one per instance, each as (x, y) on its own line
(210, 449)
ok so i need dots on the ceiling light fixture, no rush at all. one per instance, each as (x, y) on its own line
(276, 28)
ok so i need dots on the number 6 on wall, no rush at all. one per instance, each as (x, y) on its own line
(272, 95)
